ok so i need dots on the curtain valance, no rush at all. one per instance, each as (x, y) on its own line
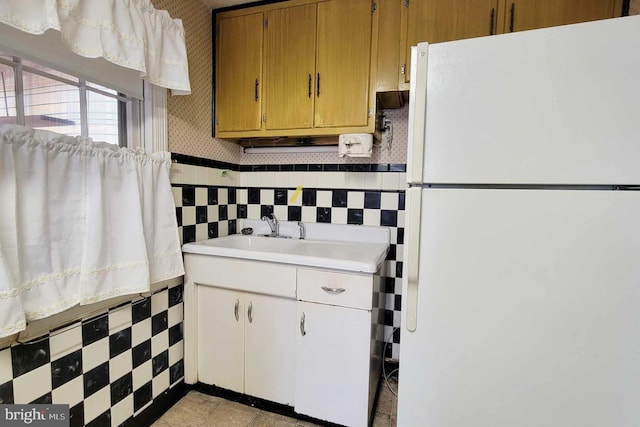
(129, 33)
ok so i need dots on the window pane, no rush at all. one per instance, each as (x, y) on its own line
(51, 105)
(49, 70)
(102, 117)
(7, 95)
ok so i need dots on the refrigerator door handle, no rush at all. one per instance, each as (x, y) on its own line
(417, 114)
(414, 212)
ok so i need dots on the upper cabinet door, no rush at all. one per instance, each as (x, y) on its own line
(343, 63)
(290, 57)
(239, 73)
(437, 21)
(531, 14)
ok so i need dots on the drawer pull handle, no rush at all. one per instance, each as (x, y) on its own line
(333, 290)
(250, 312)
(302, 331)
(235, 310)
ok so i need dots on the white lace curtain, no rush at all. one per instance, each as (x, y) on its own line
(80, 222)
(129, 33)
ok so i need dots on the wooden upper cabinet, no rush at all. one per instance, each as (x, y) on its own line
(239, 73)
(388, 61)
(290, 55)
(343, 63)
(437, 21)
(531, 14)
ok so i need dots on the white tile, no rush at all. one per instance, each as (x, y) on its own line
(355, 199)
(338, 215)
(121, 411)
(228, 178)
(120, 319)
(323, 198)
(309, 179)
(389, 201)
(95, 354)
(176, 315)
(355, 180)
(339, 180)
(371, 217)
(70, 393)
(223, 196)
(159, 343)
(159, 302)
(32, 385)
(181, 174)
(201, 175)
(325, 180)
(201, 196)
(65, 342)
(97, 404)
(294, 199)
(177, 196)
(6, 371)
(402, 180)
(213, 176)
(309, 214)
(188, 215)
(223, 228)
(266, 197)
(253, 211)
(295, 178)
(242, 196)
(267, 179)
(176, 353)
(373, 180)
(202, 231)
(281, 212)
(140, 332)
(120, 365)
(142, 375)
(280, 180)
(213, 213)
(390, 181)
(232, 212)
(160, 383)
(401, 218)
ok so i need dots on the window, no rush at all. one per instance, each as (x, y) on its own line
(44, 98)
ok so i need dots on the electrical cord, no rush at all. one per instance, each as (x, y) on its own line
(386, 376)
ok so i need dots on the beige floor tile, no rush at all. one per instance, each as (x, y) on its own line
(266, 420)
(382, 420)
(244, 407)
(227, 414)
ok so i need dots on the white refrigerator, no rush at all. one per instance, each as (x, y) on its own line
(521, 284)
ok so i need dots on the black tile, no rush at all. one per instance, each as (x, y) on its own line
(212, 230)
(314, 167)
(371, 200)
(301, 168)
(388, 218)
(379, 167)
(201, 214)
(388, 351)
(253, 196)
(119, 342)
(330, 167)
(159, 323)
(323, 215)
(29, 356)
(391, 255)
(188, 233)
(141, 353)
(140, 310)
(160, 362)
(176, 372)
(308, 197)
(121, 388)
(96, 379)
(280, 197)
(339, 198)
(360, 167)
(233, 226)
(286, 168)
(175, 295)
(179, 216)
(103, 420)
(294, 213)
(397, 303)
(399, 270)
(142, 396)
(266, 210)
(76, 415)
(355, 216)
(401, 201)
(396, 336)
(175, 334)
(242, 211)
(398, 167)
(232, 197)
(400, 238)
(212, 196)
(272, 168)
(389, 285)
(188, 196)
(66, 368)
(223, 213)
(45, 399)
(6, 393)
(388, 317)
(95, 329)
(259, 168)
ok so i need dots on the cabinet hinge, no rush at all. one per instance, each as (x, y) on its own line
(374, 6)
(370, 112)
(266, 23)
(217, 121)
(403, 68)
(264, 118)
(405, 3)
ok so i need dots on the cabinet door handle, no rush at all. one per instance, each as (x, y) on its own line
(310, 79)
(513, 17)
(235, 310)
(257, 86)
(492, 21)
(250, 312)
(318, 85)
(333, 290)
(302, 331)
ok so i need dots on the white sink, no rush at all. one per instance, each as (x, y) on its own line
(364, 252)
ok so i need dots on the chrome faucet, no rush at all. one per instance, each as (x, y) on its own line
(273, 224)
(302, 230)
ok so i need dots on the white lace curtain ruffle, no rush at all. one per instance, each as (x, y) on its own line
(129, 33)
(80, 222)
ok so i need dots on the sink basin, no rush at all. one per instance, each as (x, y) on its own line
(356, 256)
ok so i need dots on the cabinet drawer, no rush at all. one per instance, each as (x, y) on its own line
(327, 287)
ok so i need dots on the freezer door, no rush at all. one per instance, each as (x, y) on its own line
(528, 310)
(551, 106)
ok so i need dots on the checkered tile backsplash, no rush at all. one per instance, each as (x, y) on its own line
(107, 369)
(206, 212)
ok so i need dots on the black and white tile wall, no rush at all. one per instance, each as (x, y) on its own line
(109, 368)
(208, 211)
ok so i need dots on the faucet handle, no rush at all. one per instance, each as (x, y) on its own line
(302, 230)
